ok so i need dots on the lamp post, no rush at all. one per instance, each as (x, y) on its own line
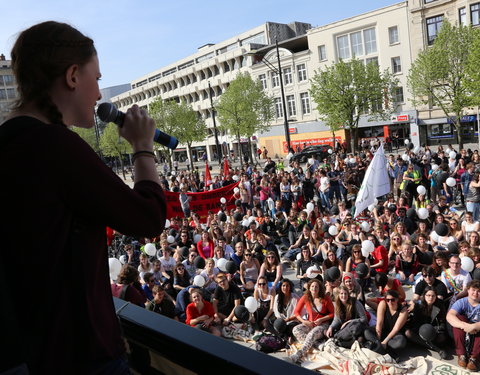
(217, 145)
(284, 105)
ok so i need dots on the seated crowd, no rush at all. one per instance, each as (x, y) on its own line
(351, 272)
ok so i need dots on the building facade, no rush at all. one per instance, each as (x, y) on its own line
(426, 20)
(8, 87)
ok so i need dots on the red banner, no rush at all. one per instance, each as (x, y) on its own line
(202, 202)
(310, 142)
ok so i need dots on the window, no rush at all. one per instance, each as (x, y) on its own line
(7, 79)
(398, 95)
(343, 47)
(278, 107)
(3, 94)
(433, 27)
(371, 60)
(429, 1)
(462, 16)
(305, 99)
(301, 72)
(393, 34)
(11, 93)
(370, 41)
(396, 65)
(322, 53)
(287, 76)
(263, 79)
(275, 79)
(356, 43)
(475, 14)
(292, 110)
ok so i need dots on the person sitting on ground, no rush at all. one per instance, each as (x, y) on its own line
(226, 297)
(428, 280)
(160, 304)
(284, 305)
(320, 311)
(455, 279)
(384, 283)
(464, 317)
(128, 287)
(200, 313)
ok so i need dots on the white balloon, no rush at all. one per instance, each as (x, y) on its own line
(447, 151)
(309, 272)
(289, 156)
(368, 245)
(452, 154)
(299, 256)
(352, 161)
(451, 182)
(223, 200)
(221, 264)
(270, 203)
(150, 249)
(173, 173)
(434, 236)
(236, 190)
(123, 259)
(434, 167)
(115, 267)
(197, 238)
(333, 230)
(421, 190)
(422, 213)
(167, 224)
(365, 226)
(245, 223)
(467, 264)
(405, 157)
(310, 207)
(235, 177)
(311, 161)
(416, 150)
(371, 207)
(199, 281)
(365, 252)
(407, 141)
(171, 239)
(330, 151)
(251, 304)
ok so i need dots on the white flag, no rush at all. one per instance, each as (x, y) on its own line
(375, 183)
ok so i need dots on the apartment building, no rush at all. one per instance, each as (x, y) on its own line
(213, 64)
(8, 90)
(426, 20)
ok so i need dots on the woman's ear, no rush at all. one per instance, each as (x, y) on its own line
(71, 76)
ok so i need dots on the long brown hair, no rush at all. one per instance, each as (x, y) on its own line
(321, 292)
(42, 54)
(345, 311)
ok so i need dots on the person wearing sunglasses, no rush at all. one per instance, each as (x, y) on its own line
(387, 336)
(265, 303)
(272, 269)
(429, 280)
(249, 269)
(455, 279)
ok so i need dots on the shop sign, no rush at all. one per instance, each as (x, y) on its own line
(310, 142)
(400, 118)
(293, 130)
(468, 118)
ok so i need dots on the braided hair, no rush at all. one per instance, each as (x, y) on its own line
(42, 54)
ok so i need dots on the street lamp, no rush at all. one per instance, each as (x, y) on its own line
(279, 72)
(217, 145)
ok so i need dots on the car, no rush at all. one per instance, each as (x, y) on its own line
(320, 151)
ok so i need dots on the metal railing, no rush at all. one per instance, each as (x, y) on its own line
(193, 350)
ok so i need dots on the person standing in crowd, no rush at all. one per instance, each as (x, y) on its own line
(56, 69)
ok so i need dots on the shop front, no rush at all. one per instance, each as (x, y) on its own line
(442, 131)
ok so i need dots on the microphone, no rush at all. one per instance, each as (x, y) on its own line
(107, 112)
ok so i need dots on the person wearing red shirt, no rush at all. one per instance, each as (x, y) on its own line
(384, 283)
(320, 311)
(205, 246)
(200, 313)
(379, 255)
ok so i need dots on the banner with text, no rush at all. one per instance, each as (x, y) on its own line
(310, 142)
(201, 202)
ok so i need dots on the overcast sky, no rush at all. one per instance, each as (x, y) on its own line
(135, 37)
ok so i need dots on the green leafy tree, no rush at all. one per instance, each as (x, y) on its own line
(345, 91)
(113, 145)
(88, 135)
(244, 109)
(440, 76)
(472, 68)
(180, 121)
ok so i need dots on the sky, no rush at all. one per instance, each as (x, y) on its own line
(136, 37)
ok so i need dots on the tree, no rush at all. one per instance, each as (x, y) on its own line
(244, 109)
(439, 75)
(345, 91)
(88, 135)
(113, 145)
(180, 121)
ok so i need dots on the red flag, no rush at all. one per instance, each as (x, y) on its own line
(226, 169)
(208, 176)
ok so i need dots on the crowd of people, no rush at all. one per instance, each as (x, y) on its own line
(351, 269)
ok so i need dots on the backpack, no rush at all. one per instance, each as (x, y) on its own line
(270, 344)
